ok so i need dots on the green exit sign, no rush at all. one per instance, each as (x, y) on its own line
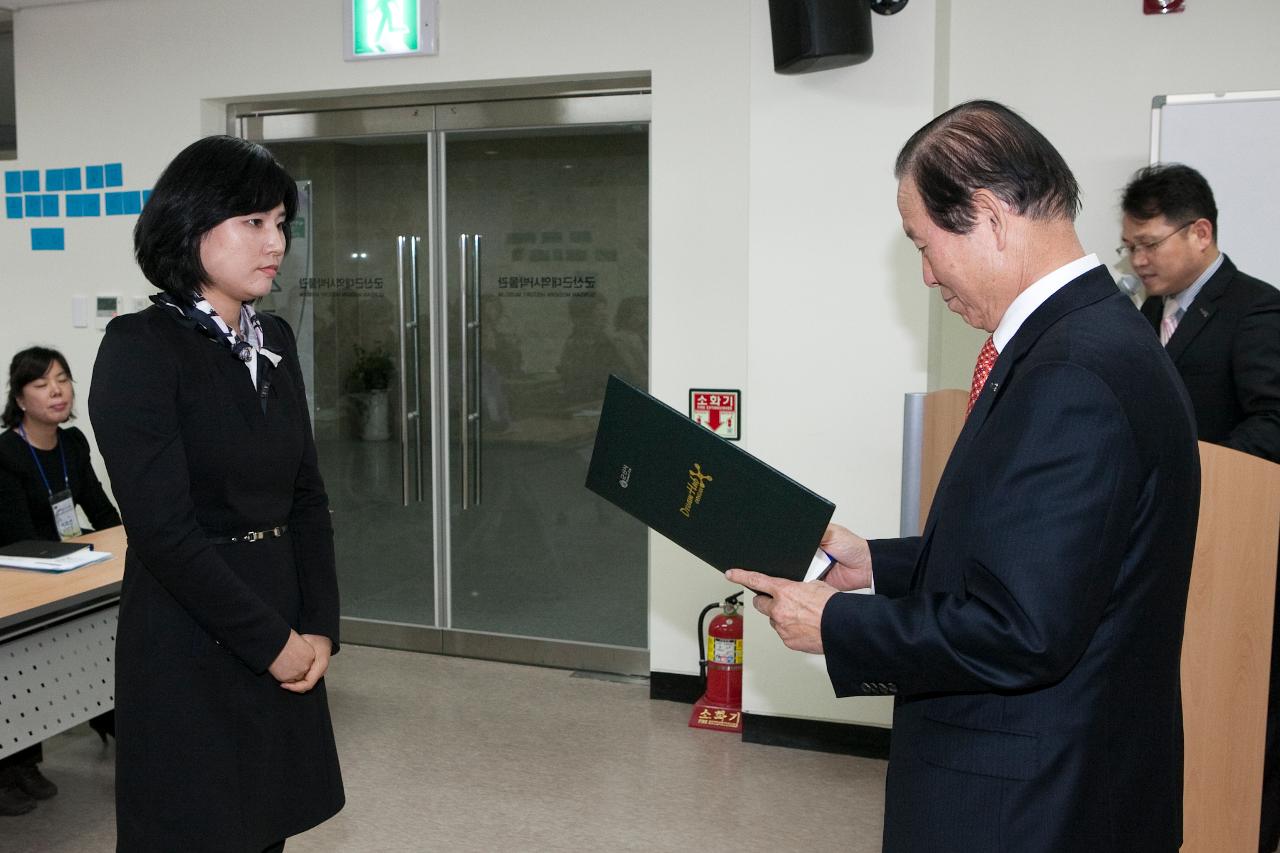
(376, 29)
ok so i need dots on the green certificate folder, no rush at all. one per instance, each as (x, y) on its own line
(709, 496)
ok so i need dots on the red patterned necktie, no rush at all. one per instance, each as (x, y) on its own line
(981, 370)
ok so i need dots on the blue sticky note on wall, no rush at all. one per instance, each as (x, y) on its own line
(132, 202)
(13, 182)
(71, 179)
(50, 205)
(93, 177)
(53, 180)
(114, 202)
(13, 207)
(146, 197)
(114, 174)
(88, 204)
(31, 180)
(34, 206)
(48, 239)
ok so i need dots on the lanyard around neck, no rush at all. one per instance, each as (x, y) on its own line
(66, 477)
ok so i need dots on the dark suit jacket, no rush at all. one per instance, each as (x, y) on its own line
(1227, 350)
(25, 512)
(213, 755)
(1033, 634)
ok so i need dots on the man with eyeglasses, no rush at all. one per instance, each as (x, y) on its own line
(1220, 326)
(1222, 330)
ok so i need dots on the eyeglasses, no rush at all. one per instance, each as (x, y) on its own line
(1146, 248)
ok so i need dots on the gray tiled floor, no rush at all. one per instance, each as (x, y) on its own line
(447, 754)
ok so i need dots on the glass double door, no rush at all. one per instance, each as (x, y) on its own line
(462, 280)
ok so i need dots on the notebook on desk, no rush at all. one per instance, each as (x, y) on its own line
(44, 556)
(705, 494)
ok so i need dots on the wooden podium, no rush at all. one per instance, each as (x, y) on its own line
(943, 420)
(1226, 647)
(1226, 651)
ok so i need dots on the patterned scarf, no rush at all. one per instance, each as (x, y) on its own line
(246, 343)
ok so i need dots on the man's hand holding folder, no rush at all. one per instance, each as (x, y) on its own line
(795, 608)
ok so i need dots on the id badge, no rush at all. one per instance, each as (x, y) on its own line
(64, 514)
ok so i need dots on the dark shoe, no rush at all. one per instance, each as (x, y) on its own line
(104, 724)
(29, 778)
(15, 801)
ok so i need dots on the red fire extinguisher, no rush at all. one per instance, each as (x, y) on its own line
(720, 661)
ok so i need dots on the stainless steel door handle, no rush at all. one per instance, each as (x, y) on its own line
(477, 449)
(404, 378)
(410, 351)
(469, 270)
(465, 431)
(414, 327)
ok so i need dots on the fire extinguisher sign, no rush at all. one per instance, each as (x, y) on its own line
(717, 409)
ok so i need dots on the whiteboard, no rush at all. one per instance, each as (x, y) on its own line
(1232, 139)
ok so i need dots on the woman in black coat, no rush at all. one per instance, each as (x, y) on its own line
(229, 608)
(45, 473)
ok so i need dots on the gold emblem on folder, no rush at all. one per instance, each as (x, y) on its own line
(696, 487)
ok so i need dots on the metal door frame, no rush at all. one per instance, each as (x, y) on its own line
(431, 115)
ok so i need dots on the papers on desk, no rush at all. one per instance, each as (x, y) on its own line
(40, 556)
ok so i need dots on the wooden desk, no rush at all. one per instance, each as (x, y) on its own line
(26, 596)
(57, 645)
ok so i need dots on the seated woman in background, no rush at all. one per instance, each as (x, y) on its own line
(44, 474)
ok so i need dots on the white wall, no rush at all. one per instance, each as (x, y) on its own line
(838, 325)
(128, 81)
(777, 261)
(133, 81)
(1084, 73)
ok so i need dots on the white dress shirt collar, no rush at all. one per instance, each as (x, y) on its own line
(1036, 295)
(1186, 297)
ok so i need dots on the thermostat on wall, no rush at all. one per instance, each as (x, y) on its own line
(107, 307)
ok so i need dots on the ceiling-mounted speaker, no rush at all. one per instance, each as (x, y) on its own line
(814, 35)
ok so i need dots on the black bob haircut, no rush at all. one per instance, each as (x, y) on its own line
(26, 367)
(209, 182)
(1177, 192)
(985, 145)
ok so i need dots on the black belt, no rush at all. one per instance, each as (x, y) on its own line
(251, 536)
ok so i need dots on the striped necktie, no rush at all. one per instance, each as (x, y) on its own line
(1169, 322)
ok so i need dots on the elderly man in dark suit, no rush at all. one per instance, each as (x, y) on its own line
(1222, 330)
(1032, 635)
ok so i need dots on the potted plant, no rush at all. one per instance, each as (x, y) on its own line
(368, 380)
